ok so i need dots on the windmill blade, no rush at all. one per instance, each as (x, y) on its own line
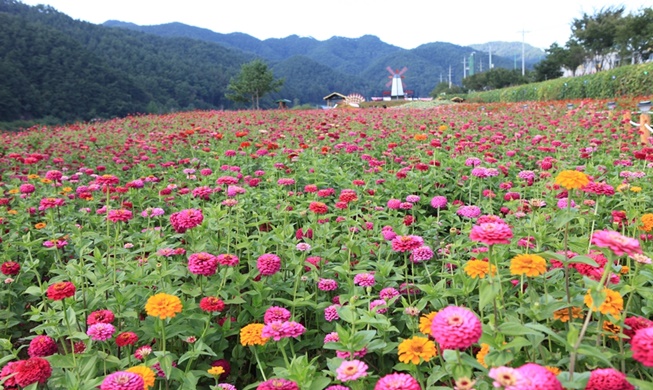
(389, 83)
(403, 71)
(392, 72)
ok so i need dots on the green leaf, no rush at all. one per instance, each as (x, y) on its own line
(320, 383)
(584, 260)
(603, 355)
(487, 293)
(579, 381)
(516, 329)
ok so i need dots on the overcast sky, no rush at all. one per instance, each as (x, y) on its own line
(406, 24)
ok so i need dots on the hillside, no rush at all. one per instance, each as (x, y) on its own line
(70, 70)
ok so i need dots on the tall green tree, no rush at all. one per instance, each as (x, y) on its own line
(254, 81)
(635, 36)
(598, 33)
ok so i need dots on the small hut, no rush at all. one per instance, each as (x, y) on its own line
(334, 98)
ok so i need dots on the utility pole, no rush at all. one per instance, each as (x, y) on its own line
(449, 76)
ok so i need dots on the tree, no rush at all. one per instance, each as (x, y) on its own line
(252, 83)
(443, 89)
(634, 36)
(551, 67)
(598, 33)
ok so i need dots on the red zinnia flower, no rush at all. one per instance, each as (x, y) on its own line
(61, 290)
(10, 268)
(318, 208)
(32, 370)
(126, 338)
(210, 304)
(100, 316)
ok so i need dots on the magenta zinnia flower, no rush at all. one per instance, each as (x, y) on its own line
(491, 233)
(268, 264)
(100, 331)
(608, 379)
(351, 370)
(538, 377)
(397, 381)
(406, 243)
(277, 384)
(438, 202)
(42, 346)
(420, 254)
(456, 328)
(202, 263)
(616, 242)
(276, 313)
(469, 211)
(364, 280)
(642, 346)
(186, 219)
(122, 380)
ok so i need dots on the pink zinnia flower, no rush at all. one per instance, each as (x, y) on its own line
(268, 264)
(397, 381)
(420, 254)
(438, 202)
(122, 380)
(491, 233)
(388, 293)
(394, 204)
(379, 302)
(538, 377)
(406, 243)
(642, 346)
(101, 331)
(364, 280)
(32, 370)
(469, 211)
(331, 313)
(616, 242)
(276, 313)
(608, 379)
(228, 260)
(120, 215)
(186, 219)
(327, 285)
(351, 370)
(100, 316)
(456, 328)
(277, 384)
(507, 377)
(202, 263)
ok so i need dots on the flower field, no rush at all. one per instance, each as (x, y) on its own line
(464, 246)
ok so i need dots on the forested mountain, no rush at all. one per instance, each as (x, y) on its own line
(365, 57)
(54, 66)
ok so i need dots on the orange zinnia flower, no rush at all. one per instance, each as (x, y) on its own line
(252, 335)
(572, 179)
(416, 348)
(612, 305)
(527, 264)
(163, 305)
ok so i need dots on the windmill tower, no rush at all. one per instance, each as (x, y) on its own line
(396, 82)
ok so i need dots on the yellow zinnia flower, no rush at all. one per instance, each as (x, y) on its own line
(144, 372)
(527, 264)
(612, 305)
(163, 305)
(215, 371)
(479, 268)
(416, 348)
(572, 179)
(635, 189)
(425, 322)
(251, 335)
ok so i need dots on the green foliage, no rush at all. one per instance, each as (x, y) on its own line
(634, 80)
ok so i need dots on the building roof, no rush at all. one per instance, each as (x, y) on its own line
(334, 95)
